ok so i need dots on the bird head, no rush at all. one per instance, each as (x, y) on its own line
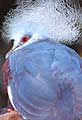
(58, 20)
(25, 40)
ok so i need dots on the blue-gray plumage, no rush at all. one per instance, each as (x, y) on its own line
(46, 82)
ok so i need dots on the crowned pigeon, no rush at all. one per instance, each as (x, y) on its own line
(42, 75)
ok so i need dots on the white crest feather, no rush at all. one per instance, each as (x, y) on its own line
(51, 18)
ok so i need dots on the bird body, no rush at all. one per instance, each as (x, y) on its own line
(46, 81)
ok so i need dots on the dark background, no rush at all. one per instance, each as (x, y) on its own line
(5, 6)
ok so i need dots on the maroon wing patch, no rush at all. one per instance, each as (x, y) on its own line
(6, 74)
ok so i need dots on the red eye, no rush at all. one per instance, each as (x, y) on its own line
(25, 39)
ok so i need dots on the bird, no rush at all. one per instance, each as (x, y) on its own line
(42, 75)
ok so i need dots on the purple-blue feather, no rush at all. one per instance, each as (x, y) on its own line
(46, 81)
